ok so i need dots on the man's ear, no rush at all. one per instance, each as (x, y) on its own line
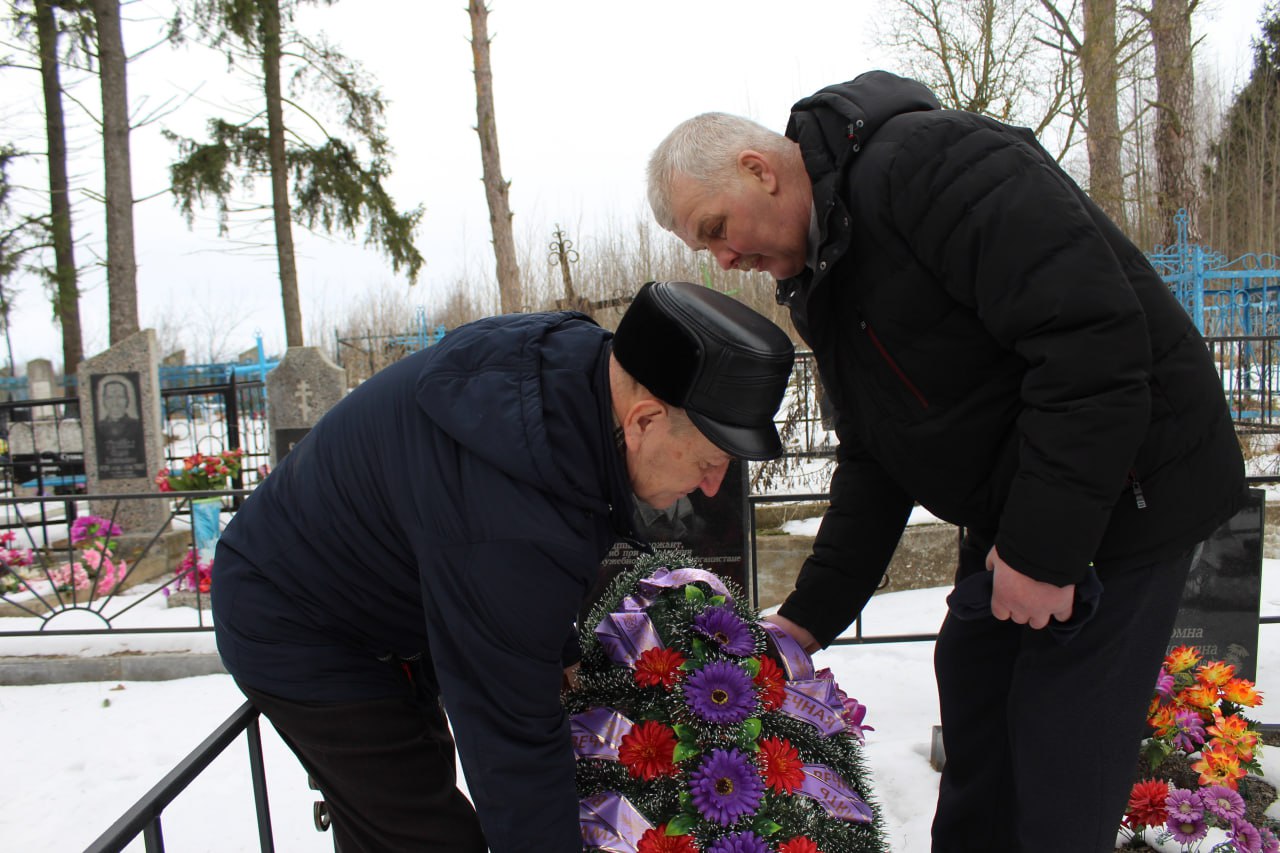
(756, 166)
(640, 419)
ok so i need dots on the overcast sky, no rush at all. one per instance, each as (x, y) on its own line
(584, 92)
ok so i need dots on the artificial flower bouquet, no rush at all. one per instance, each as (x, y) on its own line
(193, 574)
(93, 565)
(699, 729)
(201, 473)
(1198, 760)
(14, 562)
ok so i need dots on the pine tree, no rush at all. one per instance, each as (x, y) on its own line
(323, 185)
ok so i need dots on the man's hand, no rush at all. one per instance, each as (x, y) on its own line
(1026, 600)
(800, 635)
(569, 681)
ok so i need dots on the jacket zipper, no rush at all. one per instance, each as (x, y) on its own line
(893, 365)
(1138, 497)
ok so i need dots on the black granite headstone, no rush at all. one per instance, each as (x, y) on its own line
(117, 426)
(1219, 610)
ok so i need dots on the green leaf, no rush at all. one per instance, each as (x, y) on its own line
(699, 649)
(683, 732)
(685, 751)
(680, 824)
(751, 665)
(692, 592)
(751, 728)
(764, 827)
(717, 600)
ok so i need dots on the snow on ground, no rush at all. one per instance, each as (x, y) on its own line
(76, 756)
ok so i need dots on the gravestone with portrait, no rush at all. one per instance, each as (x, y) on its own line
(124, 448)
(300, 389)
(712, 529)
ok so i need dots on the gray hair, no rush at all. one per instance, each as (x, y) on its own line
(704, 148)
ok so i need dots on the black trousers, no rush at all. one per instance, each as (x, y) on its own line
(1042, 737)
(386, 769)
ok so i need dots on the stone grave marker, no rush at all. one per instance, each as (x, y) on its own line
(300, 389)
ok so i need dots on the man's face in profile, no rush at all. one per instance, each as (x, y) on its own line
(115, 399)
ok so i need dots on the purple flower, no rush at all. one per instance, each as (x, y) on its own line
(1270, 844)
(1190, 730)
(740, 842)
(1245, 836)
(91, 527)
(721, 692)
(1165, 683)
(1222, 802)
(724, 628)
(725, 787)
(1184, 805)
(1186, 830)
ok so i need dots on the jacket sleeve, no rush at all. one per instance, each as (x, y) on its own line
(1008, 234)
(496, 614)
(855, 542)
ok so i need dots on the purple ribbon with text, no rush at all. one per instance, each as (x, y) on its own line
(598, 732)
(627, 635)
(796, 663)
(834, 794)
(610, 822)
(815, 702)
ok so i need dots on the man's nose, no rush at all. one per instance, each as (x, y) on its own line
(726, 258)
(711, 482)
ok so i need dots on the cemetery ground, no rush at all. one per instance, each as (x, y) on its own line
(77, 755)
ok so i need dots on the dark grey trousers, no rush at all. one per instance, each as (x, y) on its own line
(1042, 737)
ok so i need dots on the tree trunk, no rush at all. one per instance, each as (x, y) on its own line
(67, 298)
(122, 268)
(1175, 137)
(1098, 67)
(279, 174)
(495, 188)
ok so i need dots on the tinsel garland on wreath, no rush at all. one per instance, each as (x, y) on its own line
(696, 730)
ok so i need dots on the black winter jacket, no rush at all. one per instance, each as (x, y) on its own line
(996, 350)
(456, 506)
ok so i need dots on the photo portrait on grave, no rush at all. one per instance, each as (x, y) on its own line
(424, 551)
(117, 426)
(996, 349)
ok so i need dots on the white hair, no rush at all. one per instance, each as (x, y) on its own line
(704, 148)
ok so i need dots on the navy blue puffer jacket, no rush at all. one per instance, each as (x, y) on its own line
(456, 506)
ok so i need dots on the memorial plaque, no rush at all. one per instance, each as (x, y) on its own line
(286, 439)
(117, 424)
(711, 529)
(1219, 610)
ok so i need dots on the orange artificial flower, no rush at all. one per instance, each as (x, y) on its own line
(1219, 764)
(648, 750)
(1216, 673)
(1235, 731)
(1203, 696)
(1162, 720)
(1241, 692)
(1181, 659)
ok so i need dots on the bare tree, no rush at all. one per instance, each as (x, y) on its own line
(983, 56)
(495, 187)
(122, 266)
(1170, 22)
(1098, 67)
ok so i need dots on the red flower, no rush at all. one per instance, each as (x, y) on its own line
(659, 666)
(771, 683)
(799, 844)
(780, 765)
(648, 749)
(657, 841)
(1147, 804)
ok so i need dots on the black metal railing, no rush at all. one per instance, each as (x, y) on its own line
(143, 818)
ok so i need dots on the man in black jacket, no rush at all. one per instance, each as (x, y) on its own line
(431, 540)
(999, 352)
